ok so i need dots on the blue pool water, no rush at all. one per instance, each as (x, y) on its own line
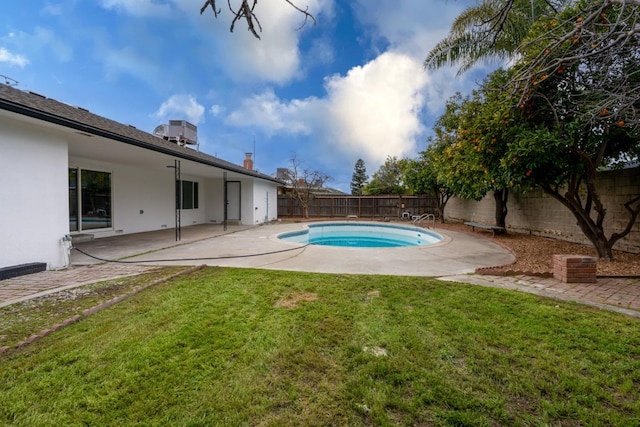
(362, 235)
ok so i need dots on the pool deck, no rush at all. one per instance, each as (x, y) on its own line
(259, 247)
(454, 259)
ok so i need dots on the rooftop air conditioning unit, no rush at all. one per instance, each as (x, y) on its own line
(161, 131)
(179, 131)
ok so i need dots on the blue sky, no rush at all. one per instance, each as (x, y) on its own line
(351, 87)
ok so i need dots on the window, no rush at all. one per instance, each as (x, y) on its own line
(189, 195)
(89, 200)
(73, 200)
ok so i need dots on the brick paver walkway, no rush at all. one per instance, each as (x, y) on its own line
(31, 286)
(615, 294)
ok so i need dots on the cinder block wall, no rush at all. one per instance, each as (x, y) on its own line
(539, 214)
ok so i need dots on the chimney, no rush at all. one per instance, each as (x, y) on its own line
(248, 162)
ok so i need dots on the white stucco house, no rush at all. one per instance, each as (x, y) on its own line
(65, 171)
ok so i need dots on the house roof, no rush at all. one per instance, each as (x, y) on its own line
(37, 106)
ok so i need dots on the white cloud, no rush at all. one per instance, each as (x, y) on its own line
(12, 58)
(42, 42)
(267, 112)
(215, 110)
(372, 112)
(375, 109)
(276, 57)
(411, 26)
(320, 52)
(179, 107)
(139, 7)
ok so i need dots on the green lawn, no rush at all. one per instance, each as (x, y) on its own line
(255, 347)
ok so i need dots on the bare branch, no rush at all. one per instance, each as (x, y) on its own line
(497, 22)
(304, 182)
(211, 3)
(600, 47)
(306, 14)
(635, 213)
(246, 12)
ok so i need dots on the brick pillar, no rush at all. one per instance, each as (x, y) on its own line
(574, 268)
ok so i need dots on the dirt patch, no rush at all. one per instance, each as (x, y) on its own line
(375, 350)
(371, 295)
(294, 300)
(534, 254)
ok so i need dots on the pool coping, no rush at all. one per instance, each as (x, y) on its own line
(443, 238)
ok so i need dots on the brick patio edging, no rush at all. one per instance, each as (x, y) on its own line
(92, 310)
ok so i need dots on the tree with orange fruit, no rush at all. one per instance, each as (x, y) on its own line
(575, 97)
(475, 133)
(581, 119)
(497, 30)
(421, 175)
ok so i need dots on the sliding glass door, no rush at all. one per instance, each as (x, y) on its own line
(89, 200)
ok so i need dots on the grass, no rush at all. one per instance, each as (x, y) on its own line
(18, 321)
(256, 347)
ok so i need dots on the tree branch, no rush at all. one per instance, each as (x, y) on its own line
(211, 3)
(635, 212)
(246, 12)
(306, 14)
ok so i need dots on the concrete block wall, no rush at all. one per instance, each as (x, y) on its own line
(539, 214)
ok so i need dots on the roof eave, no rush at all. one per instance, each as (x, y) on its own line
(72, 124)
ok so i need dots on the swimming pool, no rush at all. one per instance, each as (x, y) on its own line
(362, 235)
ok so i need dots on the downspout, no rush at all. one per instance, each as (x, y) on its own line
(266, 216)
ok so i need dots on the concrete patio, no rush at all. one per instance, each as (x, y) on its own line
(453, 260)
(259, 247)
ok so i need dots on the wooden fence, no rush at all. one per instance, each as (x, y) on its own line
(360, 206)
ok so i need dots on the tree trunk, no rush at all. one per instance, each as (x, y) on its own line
(441, 212)
(501, 197)
(604, 249)
(594, 233)
(592, 230)
(443, 198)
